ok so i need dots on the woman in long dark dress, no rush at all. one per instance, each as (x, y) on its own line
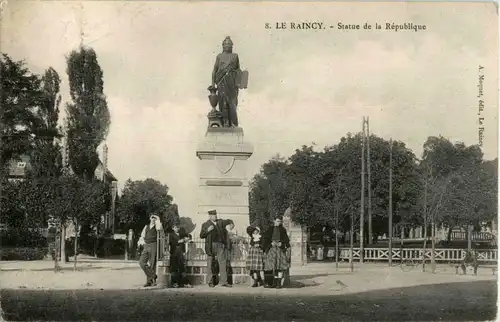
(276, 243)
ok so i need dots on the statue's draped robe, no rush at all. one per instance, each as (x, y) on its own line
(225, 75)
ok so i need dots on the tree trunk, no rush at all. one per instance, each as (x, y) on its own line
(126, 246)
(336, 239)
(57, 247)
(96, 243)
(63, 243)
(351, 248)
(433, 254)
(448, 235)
(76, 246)
(424, 247)
(469, 237)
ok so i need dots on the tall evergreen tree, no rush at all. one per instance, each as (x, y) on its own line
(46, 158)
(19, 101)
(88, 114)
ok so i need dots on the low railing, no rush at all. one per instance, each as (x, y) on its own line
(196, 253)
(196, 267)
(196, 250)
(441, 254)
(475, 236)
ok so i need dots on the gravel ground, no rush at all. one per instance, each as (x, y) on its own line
(127, 275)
(450, 302)
(103, 291)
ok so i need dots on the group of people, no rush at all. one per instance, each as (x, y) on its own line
(177, 241)
(268, 252)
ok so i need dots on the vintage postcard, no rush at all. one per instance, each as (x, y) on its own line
(248, 161)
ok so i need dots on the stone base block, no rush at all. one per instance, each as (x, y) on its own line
(223, 177)
(196, 279)
(196, 275)
(234, 280)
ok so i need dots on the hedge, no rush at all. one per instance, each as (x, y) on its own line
(106, 247)
(22, 238)
(22, 253)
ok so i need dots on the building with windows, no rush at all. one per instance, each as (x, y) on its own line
(18, 168)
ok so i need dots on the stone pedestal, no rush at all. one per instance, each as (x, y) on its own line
(298, 242)
(223, 177)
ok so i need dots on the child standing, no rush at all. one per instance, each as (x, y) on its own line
(275, 244)
(255, 258)
(177, 242)
(184, 279)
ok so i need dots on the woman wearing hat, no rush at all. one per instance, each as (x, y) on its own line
(255, 258)
(275, 243)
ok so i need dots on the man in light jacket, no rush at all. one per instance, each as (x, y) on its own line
(149, 240)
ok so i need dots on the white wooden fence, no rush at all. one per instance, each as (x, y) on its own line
(441, 254)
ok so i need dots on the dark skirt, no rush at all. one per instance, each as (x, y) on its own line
(255, 259)
(276, 259)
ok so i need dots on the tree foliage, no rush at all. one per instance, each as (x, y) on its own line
(462, 188)
(11, 210)
(268, 196)
(30, 106)
(451, 183)
(171, 215)
(142, 198)
(46, 158)
(441, 157)
(88, 114)
(330, 180)
(20, 99)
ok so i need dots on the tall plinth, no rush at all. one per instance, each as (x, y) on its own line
(223, 177)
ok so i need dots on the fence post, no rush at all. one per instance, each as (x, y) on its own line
(469, 237)
(162, 268)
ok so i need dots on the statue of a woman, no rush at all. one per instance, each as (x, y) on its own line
(225, 77)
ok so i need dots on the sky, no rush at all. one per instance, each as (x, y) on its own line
(305, 85)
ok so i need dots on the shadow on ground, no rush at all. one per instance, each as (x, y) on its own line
(464, 301)
(300, 281)
(68, 269)
(306, 277)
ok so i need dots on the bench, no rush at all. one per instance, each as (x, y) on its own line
(464, 266)
(493, 267)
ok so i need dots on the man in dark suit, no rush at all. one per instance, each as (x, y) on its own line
(217, 246)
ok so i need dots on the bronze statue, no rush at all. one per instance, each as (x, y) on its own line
(227, 78)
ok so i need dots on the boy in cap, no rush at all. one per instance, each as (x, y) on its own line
(177, 241)
(217, 246)
(149, 240)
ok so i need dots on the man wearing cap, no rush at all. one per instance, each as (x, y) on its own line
(149, 240)
(217, 246)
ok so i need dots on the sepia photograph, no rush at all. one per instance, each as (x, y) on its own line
(248, 161)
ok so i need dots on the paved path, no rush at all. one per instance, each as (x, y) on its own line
(315, 278)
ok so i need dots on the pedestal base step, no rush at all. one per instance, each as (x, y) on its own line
(200, 277)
